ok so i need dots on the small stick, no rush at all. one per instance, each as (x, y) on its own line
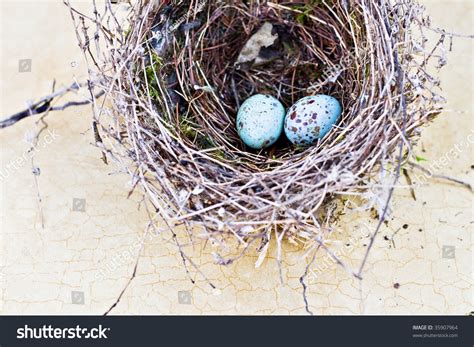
(125, 288)
(443, 177)
(44, 105)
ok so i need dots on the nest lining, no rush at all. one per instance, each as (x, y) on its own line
(304, 50)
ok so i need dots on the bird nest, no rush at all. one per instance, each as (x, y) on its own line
(176, 73)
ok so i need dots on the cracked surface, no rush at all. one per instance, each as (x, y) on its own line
(86, 245)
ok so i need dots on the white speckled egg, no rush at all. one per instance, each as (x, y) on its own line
(311, 118)
(260, 121)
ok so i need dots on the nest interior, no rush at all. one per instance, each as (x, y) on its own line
(175, 89)
(309, 47)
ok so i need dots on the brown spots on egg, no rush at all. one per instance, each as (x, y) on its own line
(316, 131)
(313, 116)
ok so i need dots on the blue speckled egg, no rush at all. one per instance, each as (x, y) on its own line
(311, 118)
(260, 121)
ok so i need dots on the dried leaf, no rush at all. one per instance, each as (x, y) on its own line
(197, 190)
(262, 255)
(262, 38)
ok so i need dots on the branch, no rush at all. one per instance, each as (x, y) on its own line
(444, 32)
(443, 177)
(44, 105)
(302, 281)
(134, 273)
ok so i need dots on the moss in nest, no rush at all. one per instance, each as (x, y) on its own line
(189, 132)
(189, 129)
(306, 10)
(303, 17)
(205, 142)
(151, 72)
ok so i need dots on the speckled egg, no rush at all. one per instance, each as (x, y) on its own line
(260, 121)
(311, 118)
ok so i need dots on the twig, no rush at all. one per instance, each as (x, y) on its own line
(134, 273)
(98, 140)
(403, 111)
(305, 287)
(443, 177)
(44, 105)
(444, 32)
(410, 183)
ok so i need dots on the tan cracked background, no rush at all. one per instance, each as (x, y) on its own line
(81, 259)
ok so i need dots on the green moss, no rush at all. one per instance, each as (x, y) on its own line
(189, 129)
(205, 142)
(151, 72)
(420, 159)
(307, 9)
(188, 132)
(220, 154)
